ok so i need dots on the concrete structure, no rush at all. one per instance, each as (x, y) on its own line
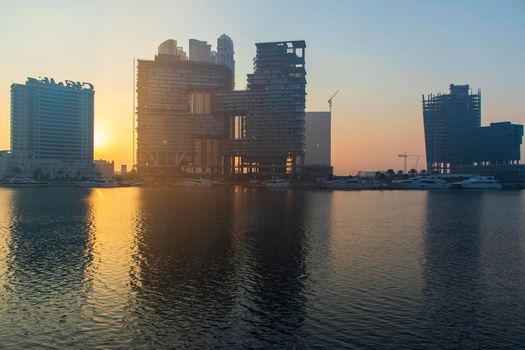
(51, 129)
(177, 129)
(200, 51)
(123, 169)
(265, 123)
(460, 109)
(318, 138)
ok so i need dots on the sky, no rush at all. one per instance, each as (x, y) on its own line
(381, 55)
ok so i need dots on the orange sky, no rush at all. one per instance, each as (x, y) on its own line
(382, 57)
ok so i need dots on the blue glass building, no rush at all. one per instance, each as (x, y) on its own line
(52, 120)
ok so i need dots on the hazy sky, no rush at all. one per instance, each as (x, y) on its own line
(382, 55)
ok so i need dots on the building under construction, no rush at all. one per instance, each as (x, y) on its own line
(189, 119)
(457, 143)
(265, 124)
(176, 127)
(442, 113)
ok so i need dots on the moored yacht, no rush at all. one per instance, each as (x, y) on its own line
(479, 182)
(200, 182)
(276, 183)
(99, 182)
(22, 182)
(420, 182)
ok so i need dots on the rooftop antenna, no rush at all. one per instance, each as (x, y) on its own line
(330, 100)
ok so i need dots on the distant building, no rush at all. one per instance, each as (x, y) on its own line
(200, 51)
(457, 143)
(51, 128)
(177, 129)
(225, 52)
(460, 109)
(52, 120)
(123, 169)
(265, 123)
(317, 131)
(317, 138)
(105, 168)
(169, 47)
(497, 144)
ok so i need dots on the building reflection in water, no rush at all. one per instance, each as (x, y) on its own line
(46, 253)
(159, 267)
(215, 267)
(471, 245)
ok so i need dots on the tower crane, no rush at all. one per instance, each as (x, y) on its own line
(405, 155)
(330, 100)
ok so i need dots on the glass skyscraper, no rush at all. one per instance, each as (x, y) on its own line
(52, 120)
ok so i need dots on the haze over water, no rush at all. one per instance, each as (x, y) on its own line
(186, 268)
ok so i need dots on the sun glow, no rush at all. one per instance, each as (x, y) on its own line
(99, 139)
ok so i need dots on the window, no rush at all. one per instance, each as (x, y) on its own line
(200, 103)
(238, 127)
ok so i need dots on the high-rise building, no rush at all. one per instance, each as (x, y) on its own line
(52, 120)
(225, 52)
(169, 47)
(265, 123)
(200, 51)
(460, 109)
(317, 138)
(190, 119)
(177, 128)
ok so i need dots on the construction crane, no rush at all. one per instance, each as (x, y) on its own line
(405, 155)
(330, 100)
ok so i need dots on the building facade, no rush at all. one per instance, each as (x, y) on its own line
(51, 129)
(177, 129)
(264, 125)
(497, 144)
(52, 120)
(189, 118)
(457, 143)
(318, 138)
(459, 109)
(200, 51)
(225, 52)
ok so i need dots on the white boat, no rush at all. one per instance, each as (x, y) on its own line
(479, 182)
(22, 182)
(99, 182)
(276, 183)
(195, 183)
(420, 182)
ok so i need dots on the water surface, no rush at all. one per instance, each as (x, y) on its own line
(216, 268)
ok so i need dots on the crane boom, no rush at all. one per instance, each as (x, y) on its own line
(406, 155)
(330, 100)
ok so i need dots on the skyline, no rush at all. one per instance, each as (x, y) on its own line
(385, 63)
